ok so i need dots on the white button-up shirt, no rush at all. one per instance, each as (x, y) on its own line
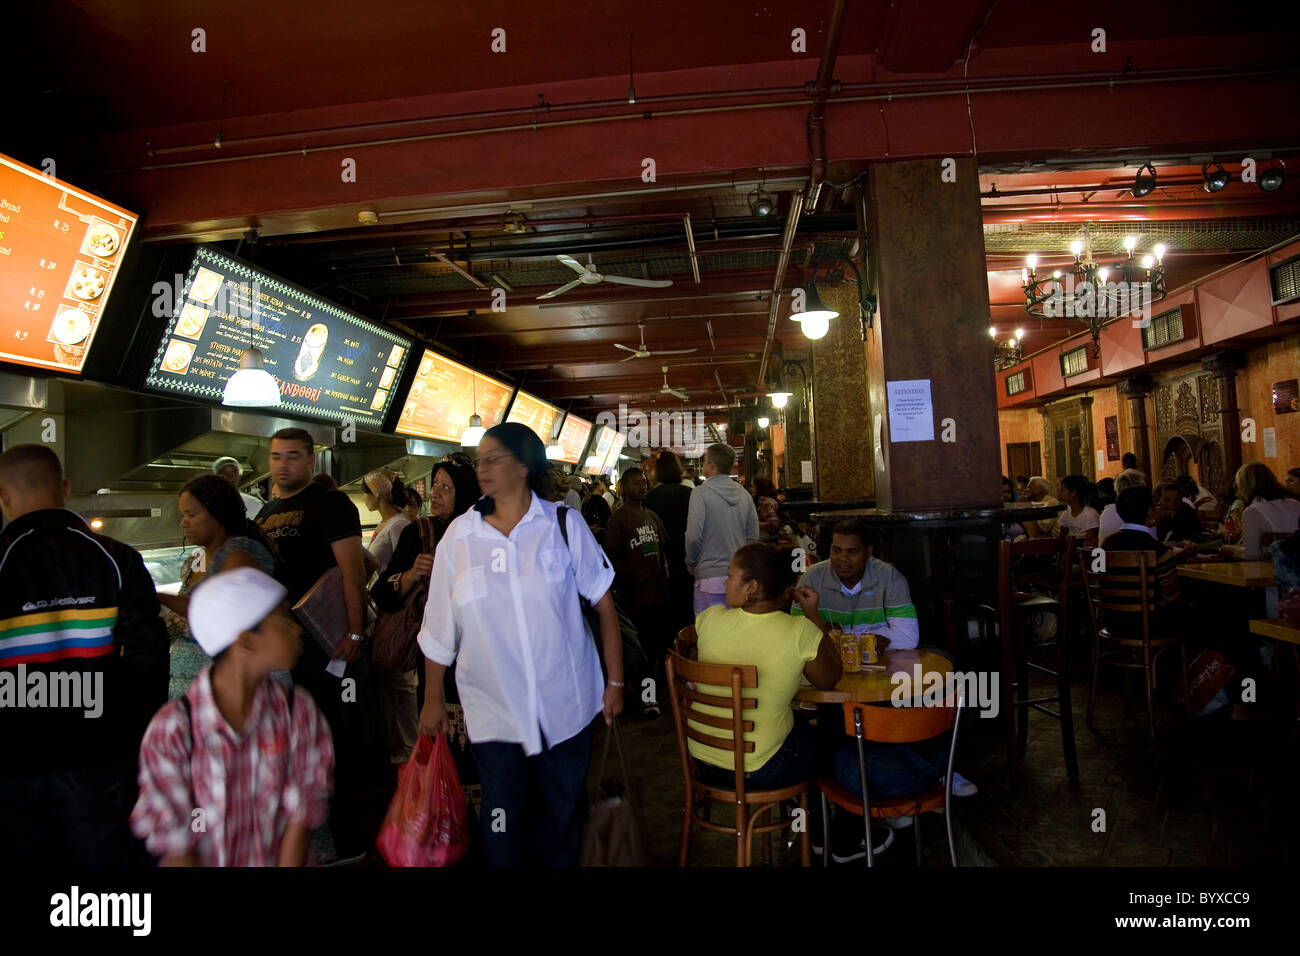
(506, 608)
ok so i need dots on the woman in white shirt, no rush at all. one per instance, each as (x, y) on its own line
(1110, 521)
(385, 493)
(1268, 508)
(503, 604)
(1079, 519)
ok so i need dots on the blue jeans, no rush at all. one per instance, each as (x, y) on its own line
(533, 807)
(894, 770)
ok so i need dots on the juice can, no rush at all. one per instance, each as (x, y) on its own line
(867, 649)
(849, 652)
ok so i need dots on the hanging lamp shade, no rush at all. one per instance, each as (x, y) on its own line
(472, 435)
(815, 320)
(252, 386)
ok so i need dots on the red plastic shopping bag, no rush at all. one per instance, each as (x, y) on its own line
(427, 822)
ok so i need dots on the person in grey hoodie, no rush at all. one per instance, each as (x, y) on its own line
(720, 520)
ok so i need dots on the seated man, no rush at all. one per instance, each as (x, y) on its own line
(1133, 506)
(1176, 520)
(1037, 491)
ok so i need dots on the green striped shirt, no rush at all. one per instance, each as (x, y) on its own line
(882, 603)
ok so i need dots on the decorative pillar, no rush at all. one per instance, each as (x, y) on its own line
(841, 443)
(1087, 453)
(1136, 390)
(932, 283)
(1224, 367)
(1049, 447)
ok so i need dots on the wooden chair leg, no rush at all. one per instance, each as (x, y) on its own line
(1096, 673)
(1187, 684)
(742, 834)
(805, 838)
(1067, 707)
(826, 830)
(1149, 675)
(1008, 709)
(767, 838)
(1023, 694)
(688, 825)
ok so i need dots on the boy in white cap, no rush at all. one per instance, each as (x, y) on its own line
(236, 772)
(229, 469)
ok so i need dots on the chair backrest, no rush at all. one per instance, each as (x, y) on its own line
(902, 725)
(1113, 590)
(686, 641)
(684, 678)
(1058, 579)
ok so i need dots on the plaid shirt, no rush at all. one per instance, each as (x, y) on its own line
(250, 786)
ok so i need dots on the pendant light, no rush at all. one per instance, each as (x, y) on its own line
(252, 386)
(815, 320)
(472, 435)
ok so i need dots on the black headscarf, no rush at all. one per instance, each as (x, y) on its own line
(522, 442)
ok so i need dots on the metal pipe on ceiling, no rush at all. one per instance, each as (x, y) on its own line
(820, 91)
(1163, 212)
(774, 309)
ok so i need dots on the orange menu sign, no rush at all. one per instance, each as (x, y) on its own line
(536, 414)
(60, 249)
(604, 441)
(443, 397)
(573, 438)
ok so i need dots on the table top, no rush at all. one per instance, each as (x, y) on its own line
(876, 686)
(1013, 511)
(1278, 628)
(1241, 574)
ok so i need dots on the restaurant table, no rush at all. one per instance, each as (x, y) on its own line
(1241, 574)
(1280, 629)
(876, 686)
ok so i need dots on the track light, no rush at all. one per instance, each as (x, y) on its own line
(760, 203)
(1143, 184)
(1216, 178)
(1272, 179)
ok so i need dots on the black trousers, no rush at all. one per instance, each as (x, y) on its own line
(70, 818)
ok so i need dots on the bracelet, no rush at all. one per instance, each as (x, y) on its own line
(615, 683)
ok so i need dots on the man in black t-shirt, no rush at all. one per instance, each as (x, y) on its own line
(315, 529)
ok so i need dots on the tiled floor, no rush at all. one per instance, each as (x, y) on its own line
(1221, 793)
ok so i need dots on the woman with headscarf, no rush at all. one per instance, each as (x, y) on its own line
(385, 493)
(452, 490)
(504, 606)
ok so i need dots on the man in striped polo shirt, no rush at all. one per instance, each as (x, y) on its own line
(860, 594)
(83, 667)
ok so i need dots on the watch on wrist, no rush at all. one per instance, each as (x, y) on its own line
(357, 637)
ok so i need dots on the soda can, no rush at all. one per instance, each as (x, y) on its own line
(867, 648)
(849, 653)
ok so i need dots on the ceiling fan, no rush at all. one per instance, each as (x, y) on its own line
(643, 352)
(587, 275)
(669, 390)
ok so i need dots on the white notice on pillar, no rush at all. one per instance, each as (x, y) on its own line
(1270, 442)
(911, 413)
(806, 472)
(1101, 460)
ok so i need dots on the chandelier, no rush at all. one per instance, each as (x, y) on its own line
(1006, 354)
(1096, 287)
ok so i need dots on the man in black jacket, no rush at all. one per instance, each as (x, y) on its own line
(83, 668)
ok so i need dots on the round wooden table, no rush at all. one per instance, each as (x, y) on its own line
(876, 686)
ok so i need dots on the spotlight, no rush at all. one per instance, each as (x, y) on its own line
(1215, 180)
(1144, 184)
(1272, 179)
(760, 203)
(993, 332)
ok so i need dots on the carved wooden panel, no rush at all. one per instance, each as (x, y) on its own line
(1189, 427)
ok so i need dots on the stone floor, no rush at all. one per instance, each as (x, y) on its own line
(1219, 793)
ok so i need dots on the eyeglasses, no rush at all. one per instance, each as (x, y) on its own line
(480, 462)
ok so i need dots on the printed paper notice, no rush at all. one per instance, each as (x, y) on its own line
(1270, 442)
(1101, 460)
(806, 472)
(911, 414)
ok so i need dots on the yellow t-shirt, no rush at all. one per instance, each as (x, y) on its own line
(779, 645)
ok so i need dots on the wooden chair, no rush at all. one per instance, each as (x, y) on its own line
(684, 680)
(1114, 594)
(685, 643)
(1012, 614)
(894, 725)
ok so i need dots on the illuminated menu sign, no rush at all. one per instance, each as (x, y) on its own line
(60, 250)
(573, 438)
(599, 451)
(615, 449)
(330, 363)
(536, 414)
(443, 397)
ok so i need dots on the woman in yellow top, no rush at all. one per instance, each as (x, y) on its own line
(754, 628)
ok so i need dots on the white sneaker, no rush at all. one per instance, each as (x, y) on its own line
(961, 787)
(860, 851)
(898, 823)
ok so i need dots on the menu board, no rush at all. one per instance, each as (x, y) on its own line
(443, 397)
(536, 414)
(573, 438)
(60, 251)
(615, 449)
(599, 451)
(330, 363)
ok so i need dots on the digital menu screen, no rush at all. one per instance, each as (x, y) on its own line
(595, 463)
(573, 438)
(615, 449)
(330, 363)
(443, 397)
(536, 414)
(60, 250)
